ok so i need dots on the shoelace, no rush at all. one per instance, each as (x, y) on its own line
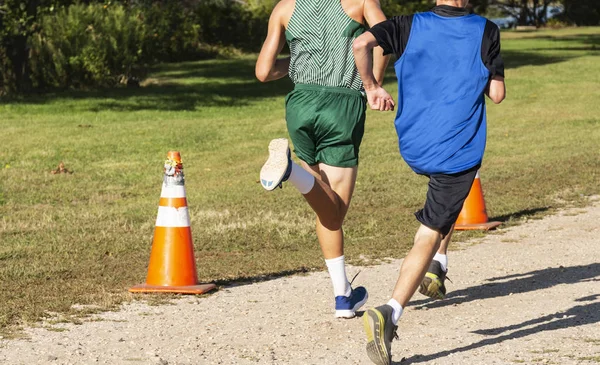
(446, 276)
(395, 334)
(351, 281)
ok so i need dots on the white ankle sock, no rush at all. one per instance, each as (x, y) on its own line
(397, 310)
(443, 260)
(337, 272)
(301, 179)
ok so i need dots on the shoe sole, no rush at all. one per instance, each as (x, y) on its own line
(351, 313)
(274, 169)
(374, 323)
(430, 286)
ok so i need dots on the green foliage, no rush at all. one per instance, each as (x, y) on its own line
(556, 23)
(18, 21)
(14, 22)
(86, 45)
(171, 32)
(582, 12)
(525, 11)
(395, 7)
(231, 23)
(55, 43)
(186, 30)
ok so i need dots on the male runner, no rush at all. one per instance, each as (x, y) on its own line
(325, 115)
(447, 60)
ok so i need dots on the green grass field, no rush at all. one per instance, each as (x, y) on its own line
(85, 237)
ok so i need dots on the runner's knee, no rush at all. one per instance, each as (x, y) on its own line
(332, 221)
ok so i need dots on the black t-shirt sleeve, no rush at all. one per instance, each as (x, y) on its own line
(392, 35)
(490, 50)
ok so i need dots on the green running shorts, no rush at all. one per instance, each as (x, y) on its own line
(326, 124)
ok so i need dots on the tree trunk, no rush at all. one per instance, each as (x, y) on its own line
(544, 12)
(523, 14)
(19, 54)
(536, 16)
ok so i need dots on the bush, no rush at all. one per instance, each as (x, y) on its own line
(87, 45)
(232, 23)
(556, 23)
(171, 32)
(582, 12)
(16, 21)
(393, 7)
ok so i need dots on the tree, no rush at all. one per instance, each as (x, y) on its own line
(18, 21)
(582, 12)
(527, 12)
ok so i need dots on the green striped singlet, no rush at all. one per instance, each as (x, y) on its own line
(320, 36)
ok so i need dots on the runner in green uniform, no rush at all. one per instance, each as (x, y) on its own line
(325, 116)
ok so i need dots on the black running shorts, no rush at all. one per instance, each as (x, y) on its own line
(445, 198)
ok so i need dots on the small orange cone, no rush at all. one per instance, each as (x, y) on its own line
(172, 266)
(473, 215)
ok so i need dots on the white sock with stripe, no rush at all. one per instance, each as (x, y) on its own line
(443, 260)
(397, 310)
(337, 272)
(301, 179)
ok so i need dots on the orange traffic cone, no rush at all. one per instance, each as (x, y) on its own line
(473, 215)
(172, 266)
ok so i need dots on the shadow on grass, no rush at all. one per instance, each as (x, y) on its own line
(516, 59)
(575, 48)
(239, 69)
(182, 86)
(176, 97)
(533, 57)
(247, 280)
(580, 38)
(519, 214)
(521, 283)
(578, 315)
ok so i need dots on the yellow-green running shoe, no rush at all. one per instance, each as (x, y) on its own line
(433, 282)
(380, 331)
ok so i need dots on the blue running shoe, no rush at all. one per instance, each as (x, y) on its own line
(346, 307)
(278, 166)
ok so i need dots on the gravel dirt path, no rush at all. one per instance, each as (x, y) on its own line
(530, 295)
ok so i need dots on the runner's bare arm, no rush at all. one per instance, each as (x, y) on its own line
(373, 15)
(496, 89)
(268, 67)
(378, 98)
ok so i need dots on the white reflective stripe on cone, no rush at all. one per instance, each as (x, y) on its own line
(172, 191)
(173, 217)
(477, 175)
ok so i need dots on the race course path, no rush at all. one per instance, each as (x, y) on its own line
(528, 296)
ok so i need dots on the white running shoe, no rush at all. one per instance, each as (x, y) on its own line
(278, 166)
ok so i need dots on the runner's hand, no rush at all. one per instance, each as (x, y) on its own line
(379, 99)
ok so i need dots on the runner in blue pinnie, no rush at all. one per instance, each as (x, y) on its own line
(448, 60)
